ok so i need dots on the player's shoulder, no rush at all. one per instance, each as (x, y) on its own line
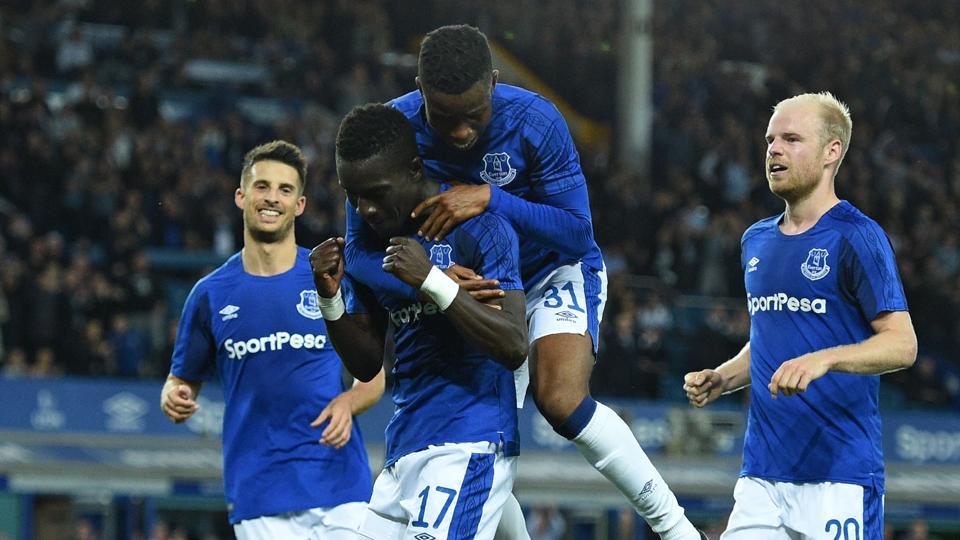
(856, 227)
(764, 226)
(409, 104)
(519, 105)
(223, 275)
(488, 227)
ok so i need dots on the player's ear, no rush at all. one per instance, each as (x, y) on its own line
(495, 76)
(415, 168)
(417, 81)
(238, 198)
(301, 205)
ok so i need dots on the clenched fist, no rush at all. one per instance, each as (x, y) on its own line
(326, 261)
(407, 260)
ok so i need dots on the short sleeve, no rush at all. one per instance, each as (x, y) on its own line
(871, 276)
(194, 351)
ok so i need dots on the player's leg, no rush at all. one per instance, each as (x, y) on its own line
(512, 526)
(828, 510)
(339, 522)
(564, 312)
(756, 514)
(286, 525)
(385, 517)
(455, 491)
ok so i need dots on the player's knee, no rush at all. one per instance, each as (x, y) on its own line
(557, 403)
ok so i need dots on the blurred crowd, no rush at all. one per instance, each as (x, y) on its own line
(122, 133)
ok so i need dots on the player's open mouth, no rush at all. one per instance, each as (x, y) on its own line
(776, 168)
(268, 214)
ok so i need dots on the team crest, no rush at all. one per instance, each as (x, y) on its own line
(815, 267)
(440, 256)
(497, 169)
(309, 305)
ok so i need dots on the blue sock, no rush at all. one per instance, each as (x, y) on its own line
(574, 424)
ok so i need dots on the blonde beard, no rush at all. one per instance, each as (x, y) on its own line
(793, 189)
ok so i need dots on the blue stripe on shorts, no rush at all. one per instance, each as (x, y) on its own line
(872, 513)
(593, 290)
(473, 495)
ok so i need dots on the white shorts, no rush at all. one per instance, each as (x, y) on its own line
(569, 300)
(767, 510)
(448, 492)
(336, 523)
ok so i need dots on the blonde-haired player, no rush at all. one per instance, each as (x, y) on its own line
(828, 315)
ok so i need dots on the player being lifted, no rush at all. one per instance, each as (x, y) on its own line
(254, 323)
(514, 148)
(453, 440)
(827, 316)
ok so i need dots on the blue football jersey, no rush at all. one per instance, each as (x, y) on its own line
(807, 292)
(445, 389)
(265, 339)
(526, 151)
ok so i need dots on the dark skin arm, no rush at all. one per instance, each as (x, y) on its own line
(501, 333)
(358, 339)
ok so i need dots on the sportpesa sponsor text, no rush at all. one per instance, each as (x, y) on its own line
(783, 301)
(273, 342)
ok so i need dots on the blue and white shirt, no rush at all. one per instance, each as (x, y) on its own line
(808, 292)
(266, 341)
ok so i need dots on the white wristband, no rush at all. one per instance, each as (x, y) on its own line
(441, 288)
(332, 308)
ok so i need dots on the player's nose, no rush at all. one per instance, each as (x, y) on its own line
(462, 133)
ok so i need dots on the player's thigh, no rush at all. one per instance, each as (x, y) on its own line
(755, 515)
(569, 300)
(833, 511)
(385, 517)
(455, 491)
(339, 522)
(290, 525)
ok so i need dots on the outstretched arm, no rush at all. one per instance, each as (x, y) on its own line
(704, 387)
(341, 410)
(892, 347)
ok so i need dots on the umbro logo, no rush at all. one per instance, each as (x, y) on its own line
(425, 536)
(230, 312)
(567, 315)
(647, 489)
(752, 263)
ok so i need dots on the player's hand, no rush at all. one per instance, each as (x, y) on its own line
(326, 261)
(483, 290)
(178, 402)
(794, 376)
(451, 208)
(340, 414)
(703, 387)
(407, 260)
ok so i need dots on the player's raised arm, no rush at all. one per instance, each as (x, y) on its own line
(501, 333)
(357, 337)
(705, 386)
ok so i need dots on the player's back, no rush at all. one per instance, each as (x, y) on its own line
(266, 341)
(526, 150)
(808, 292)
(445, 389)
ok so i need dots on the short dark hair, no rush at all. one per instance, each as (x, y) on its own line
(281, 151)
(371, 129)
(454, 58)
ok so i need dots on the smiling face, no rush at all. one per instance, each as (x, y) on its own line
(384, 189)
(796, 156)
(271, 198)
(460, 119)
